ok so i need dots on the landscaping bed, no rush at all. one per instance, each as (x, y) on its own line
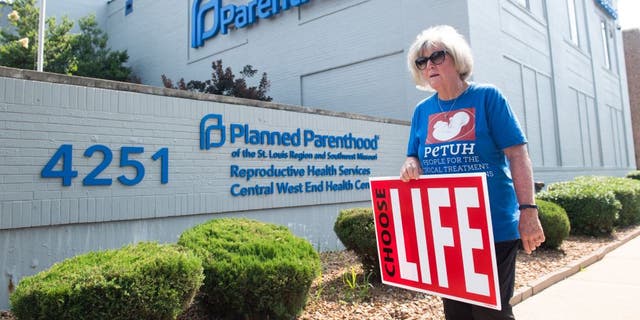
(338, 295)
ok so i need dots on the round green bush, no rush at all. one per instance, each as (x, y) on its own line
(142, 281)
(253, 270)
(356, 230)
(555, 223)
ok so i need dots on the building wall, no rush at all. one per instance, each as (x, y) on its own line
(632, 58)
(110, 131)
(350, 56)
(574, 110)
(342, 55)
(76, 9)
(522, 67)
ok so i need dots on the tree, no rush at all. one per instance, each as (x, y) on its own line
(14, 52)
(224, 82)
(84, 54)
(94, 59)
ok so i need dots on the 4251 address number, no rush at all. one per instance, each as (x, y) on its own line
(64, 155)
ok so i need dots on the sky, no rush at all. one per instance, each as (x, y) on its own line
(629, 14)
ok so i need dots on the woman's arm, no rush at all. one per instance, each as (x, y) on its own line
(530, 228)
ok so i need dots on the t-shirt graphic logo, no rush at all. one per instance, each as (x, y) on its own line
(452, 126)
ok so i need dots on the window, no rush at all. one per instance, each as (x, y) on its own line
(604, 31)
(573, 22)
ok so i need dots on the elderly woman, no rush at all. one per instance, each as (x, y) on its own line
(472, 126)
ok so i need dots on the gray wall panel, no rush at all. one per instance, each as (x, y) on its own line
(354, 84)
(548, 130)
(532, 116)
(608, 122)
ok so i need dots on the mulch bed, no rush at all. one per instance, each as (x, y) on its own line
(335, 295)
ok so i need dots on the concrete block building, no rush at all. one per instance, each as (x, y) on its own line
(561, 64)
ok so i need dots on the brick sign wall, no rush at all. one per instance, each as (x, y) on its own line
(134, 163)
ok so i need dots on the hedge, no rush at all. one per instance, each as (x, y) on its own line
(555, 223)
(634, 175)
(592, 210)
(142, 281)
(626, 190)
(356, 230)
(253, 270)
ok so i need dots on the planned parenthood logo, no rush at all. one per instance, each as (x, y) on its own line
(232, 16)
(206, 131)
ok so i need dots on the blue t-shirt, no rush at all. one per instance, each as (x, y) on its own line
(466, 135)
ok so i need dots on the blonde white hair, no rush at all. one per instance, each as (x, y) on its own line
(442, 37)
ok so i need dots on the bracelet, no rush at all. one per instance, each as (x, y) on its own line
(527, 206)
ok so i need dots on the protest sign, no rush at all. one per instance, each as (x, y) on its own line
(434, 235)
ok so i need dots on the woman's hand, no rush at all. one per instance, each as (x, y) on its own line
(411, 169)
(530, 229)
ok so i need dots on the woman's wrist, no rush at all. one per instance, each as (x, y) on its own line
(525, 206)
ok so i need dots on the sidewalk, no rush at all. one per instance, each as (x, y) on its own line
(606, 289)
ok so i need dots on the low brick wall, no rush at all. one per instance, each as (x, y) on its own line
(88, 164)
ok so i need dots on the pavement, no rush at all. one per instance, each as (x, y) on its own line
(605, 285)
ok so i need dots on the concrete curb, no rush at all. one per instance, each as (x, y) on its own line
(572, 268)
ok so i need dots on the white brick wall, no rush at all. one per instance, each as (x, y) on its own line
(37, 117)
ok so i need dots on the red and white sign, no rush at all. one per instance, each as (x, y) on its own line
(434, 235)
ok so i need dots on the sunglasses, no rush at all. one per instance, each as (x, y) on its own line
(436, 58)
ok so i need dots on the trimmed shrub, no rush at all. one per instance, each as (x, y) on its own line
(142, 281)
(626, 190)
(356, 230)
(253, 270)
(634, 175)
(591, 209)
(555, 223)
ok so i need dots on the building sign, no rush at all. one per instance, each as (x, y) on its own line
(232, 16)
(608, 8)
(434, 236)
(321, 163)
(285, 162)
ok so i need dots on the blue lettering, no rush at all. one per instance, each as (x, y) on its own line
(252, 11)
(308, 136)
(285, 187)
(264, 9)
(310, 187)
(257, 190)
(360, 185)
(244, 133)
(242, 17)
(275, 7)
(228, 16)
(237, 131)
